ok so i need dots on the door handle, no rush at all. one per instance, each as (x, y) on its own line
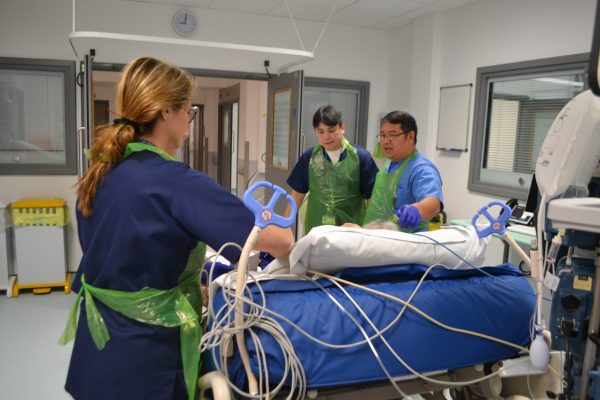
(192, 139)
(80, 160)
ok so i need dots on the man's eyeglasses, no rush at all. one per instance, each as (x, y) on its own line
(192, 114)
(384, 136)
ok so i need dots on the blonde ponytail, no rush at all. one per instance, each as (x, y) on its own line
(107, 151)
(146, 86)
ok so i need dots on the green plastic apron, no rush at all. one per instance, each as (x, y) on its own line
(334, 192)
(381, 206)
(170, 308)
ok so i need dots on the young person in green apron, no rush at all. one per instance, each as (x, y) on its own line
(144, 220)
(337, 176)
(408, 190)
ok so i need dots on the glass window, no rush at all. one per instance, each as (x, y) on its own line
(515, 106)
(37, 117)
(282, 117)
(351, 98)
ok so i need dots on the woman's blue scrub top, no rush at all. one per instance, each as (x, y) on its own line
(148, 215)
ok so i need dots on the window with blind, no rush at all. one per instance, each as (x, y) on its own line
(37, 117)
(515, 106)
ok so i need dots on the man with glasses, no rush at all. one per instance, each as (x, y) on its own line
(338, 175)
(409, 188)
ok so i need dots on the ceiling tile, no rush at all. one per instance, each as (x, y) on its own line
(303, 11)
(339, 4)
(393, 23)
(245, 6)
(385, 8)
(427, 1)
(358, 18)
(427, 9)
(455, 3)
(181, 3)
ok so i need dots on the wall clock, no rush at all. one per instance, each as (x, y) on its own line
(184, 23)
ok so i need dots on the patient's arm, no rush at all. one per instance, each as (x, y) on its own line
(298, 198)
(429, 207)
(275, 240)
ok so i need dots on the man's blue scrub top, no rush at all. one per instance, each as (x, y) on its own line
(148, 214)
(419, 180)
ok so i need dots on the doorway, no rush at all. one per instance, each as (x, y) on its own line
(229, 136)
(229, 104)
(230, 140)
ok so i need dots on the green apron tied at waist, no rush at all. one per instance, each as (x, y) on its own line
(381, 206)
(167, 308)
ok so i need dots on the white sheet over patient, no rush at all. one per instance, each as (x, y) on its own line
(330, 248)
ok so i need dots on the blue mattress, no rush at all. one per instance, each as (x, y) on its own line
(500, 305)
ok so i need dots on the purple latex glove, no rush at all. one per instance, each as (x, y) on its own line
(218, 269)
(408, 216)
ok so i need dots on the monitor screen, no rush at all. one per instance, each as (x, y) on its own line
(533, 198)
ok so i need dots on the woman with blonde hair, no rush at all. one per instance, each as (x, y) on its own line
(144, 221)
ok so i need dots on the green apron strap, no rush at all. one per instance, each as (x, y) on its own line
(168, 308)
(135, 147)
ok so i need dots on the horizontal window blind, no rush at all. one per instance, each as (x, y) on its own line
(32, 114)
(521, 112)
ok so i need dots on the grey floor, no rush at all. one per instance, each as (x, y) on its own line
(33, 365)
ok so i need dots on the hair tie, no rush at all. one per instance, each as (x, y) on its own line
(126, 121)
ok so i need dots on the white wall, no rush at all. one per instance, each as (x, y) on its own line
(43, 36)
(400, 69)
(485, 33)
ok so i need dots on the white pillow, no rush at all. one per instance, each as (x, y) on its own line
(330, 248)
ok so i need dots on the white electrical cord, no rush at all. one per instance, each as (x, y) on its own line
(379, 334)
(257, 311)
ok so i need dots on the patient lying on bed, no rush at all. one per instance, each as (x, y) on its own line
(328, 247)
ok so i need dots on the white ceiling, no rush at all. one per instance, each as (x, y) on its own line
(378, 14)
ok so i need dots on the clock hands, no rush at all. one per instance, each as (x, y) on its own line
(184, 23)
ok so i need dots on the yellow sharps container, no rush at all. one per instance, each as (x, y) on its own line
(40, 259)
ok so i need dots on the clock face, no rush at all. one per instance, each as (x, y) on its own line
(184, 23)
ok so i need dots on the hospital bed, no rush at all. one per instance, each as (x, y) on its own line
(444, 329)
